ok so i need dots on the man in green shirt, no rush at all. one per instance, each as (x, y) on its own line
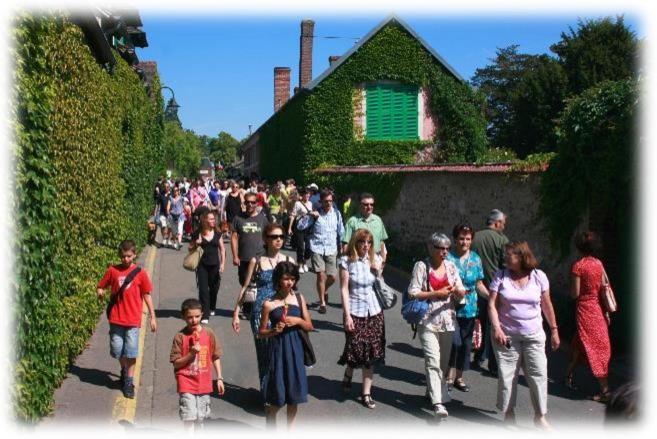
(489, 245)
(366, 219)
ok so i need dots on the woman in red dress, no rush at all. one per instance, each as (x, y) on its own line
(591, 342)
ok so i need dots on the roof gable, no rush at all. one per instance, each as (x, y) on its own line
(389, 20)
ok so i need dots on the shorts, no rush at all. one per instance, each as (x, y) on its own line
(194, 407)
(124, 341)
(325, 263)
(176, 225)
(162, 221)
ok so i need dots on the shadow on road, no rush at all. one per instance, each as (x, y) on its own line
(215, 423)
(324, 325)
(393, 373)
(96, 377)
(247, 399)
(407, 349)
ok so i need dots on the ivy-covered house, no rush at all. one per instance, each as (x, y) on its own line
(391, 99)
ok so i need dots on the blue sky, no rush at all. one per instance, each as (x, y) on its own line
(221, 67)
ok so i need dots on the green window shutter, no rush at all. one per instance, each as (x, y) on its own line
(391, 112)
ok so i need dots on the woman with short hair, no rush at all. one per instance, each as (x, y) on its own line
(518, 294)
(437, 280)
(591, 341)
(365, 343)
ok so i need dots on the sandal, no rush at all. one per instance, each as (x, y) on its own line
(367, 401)
(569, 382)
(346, 382)
(460, 384)
(601, 397)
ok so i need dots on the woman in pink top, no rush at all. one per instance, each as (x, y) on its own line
(518, 294)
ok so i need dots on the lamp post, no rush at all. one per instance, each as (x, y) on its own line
(171, 110)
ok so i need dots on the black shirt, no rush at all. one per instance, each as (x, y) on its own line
(210, 248)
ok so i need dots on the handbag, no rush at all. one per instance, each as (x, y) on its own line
(608, 298)
(476, 335)
(306, 221)
(414, 310)
(193, 258)
(115, 297)
(385, 294)
(308, 351)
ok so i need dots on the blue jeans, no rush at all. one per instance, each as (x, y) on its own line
(124, 341)
(462, 344)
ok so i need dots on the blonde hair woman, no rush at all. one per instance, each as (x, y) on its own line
(363, 317)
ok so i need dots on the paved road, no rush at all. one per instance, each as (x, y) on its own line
(399, 385)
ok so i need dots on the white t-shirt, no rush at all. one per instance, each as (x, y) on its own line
(299, 209)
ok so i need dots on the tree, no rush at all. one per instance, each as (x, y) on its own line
(223, 148)
(598, 50)
(182, 150)
(525, 95)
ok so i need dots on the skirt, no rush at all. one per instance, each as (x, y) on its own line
(365, 345)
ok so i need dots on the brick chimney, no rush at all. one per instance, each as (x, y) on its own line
(306, 53)
(333, 59)
(281, 86)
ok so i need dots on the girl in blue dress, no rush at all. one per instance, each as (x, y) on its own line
(285, 382)
(260, 270)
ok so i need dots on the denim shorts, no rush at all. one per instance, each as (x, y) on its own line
(194, 407)
(124, 341)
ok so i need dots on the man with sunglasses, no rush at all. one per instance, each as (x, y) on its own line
(489, 245)
(246, 240)
(324, 237)
(367, 219)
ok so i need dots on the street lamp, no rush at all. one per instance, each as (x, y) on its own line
(171, 110)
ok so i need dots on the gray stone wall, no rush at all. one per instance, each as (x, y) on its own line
(437, 201)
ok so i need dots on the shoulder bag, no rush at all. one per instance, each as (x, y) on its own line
(252, 289)
(308, 352)
(607, 298)
(385, 294)
(414, 310)
(193, 258)
(306, 221)
(115, 297)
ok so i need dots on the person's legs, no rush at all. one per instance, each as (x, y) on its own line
(202, 283)
(300, 239)
(462, 360)
(321, 287)
(214, 284)
(534, 365)
(368, 375)
(291, 415)
(270, 415)
(330, 262)
(241, 275)
(508, 360)
(573, 360)
(445, 345)
(431, 350)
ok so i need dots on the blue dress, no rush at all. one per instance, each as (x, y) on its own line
(265, 288)
(285, 381)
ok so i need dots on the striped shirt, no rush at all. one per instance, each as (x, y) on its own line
(362, 299)
(327, 230)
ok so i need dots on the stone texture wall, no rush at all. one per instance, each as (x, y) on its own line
(437, 201)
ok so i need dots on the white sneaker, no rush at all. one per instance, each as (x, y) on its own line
(301, 269)
(211, 313)
(205, 321)
(305, 267)
(440, 411)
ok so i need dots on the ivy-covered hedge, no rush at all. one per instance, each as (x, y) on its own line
(316, 128)
(87, 146)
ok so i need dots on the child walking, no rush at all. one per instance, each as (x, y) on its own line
(285, 382)
(130, 288)
(194, 351)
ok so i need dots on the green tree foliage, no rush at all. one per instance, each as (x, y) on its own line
(525, 95)
(183, 150)
(86, 150)
(596, 51)
(223, 149)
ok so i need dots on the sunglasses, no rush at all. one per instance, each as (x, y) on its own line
(437, 247)
(250, 202)
(367, 204)
(275, 236)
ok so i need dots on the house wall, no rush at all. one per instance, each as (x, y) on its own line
(436, 201)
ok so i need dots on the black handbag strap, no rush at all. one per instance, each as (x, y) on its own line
(129, 278)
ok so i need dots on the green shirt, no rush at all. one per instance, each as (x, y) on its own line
(489, 245)
(374, 224)
(274, 203)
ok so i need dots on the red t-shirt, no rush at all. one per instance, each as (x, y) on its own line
(195, 377)
(260, 199)
(127, 310)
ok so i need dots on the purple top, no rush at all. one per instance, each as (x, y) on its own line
(519, 309)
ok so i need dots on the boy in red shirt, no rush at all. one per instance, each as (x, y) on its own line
(194, 351)
(124, 311)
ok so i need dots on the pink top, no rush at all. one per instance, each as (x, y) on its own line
(519, 309)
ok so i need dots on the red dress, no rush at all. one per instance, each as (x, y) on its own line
(592, 331)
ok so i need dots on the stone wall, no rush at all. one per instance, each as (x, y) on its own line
(436, 201)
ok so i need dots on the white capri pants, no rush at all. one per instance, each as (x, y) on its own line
(528, 352)
(437, 347)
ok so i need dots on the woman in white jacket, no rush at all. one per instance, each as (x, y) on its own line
(437, 280)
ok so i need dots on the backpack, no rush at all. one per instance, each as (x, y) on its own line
(414, 310)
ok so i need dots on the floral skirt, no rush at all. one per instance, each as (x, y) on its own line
(366, 344)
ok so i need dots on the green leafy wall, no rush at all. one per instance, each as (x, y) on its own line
(316, 129)
(86, 146)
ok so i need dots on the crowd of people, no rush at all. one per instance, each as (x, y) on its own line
(475, 284)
